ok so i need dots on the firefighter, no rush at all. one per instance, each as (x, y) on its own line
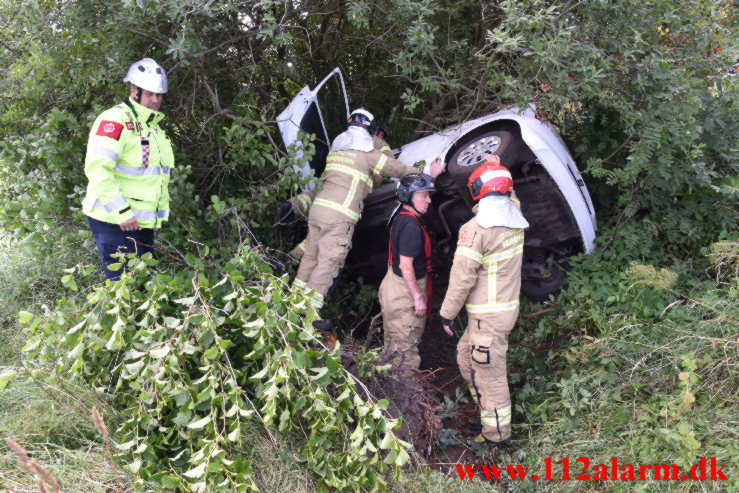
(351, 169)
(128, 165)
(486, 279)
(297, 207)
(405, 292)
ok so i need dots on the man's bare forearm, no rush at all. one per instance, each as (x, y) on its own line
(409, 276)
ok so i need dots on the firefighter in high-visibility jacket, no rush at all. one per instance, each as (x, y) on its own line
(405, 292)
(128, 164)
(486, 280)
(299, 206)
(351, 168)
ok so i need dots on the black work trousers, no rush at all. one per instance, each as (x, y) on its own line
(110, 239)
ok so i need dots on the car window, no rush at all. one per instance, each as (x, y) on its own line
(311, 124)
(332, 103)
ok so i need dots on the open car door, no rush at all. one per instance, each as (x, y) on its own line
(322, 111)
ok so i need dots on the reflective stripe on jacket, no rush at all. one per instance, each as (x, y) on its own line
(301, 203)
(486, 273)
(382, 146)
(348, 178)
(128, 165)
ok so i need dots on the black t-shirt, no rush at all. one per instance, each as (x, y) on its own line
(407, 240)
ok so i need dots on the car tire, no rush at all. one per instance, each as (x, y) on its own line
(503, 141)
(541, 289)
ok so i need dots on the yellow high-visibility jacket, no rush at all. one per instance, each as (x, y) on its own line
(128, 165)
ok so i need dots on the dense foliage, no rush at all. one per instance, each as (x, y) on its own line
(642, 91)
(192, 361)
(638, 361)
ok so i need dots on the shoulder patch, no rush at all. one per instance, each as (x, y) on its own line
(466, 237)
(110, 129)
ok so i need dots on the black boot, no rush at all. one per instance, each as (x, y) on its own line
(480, 442)
(324, 326)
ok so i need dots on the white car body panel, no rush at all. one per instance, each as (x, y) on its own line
(289, 120)
(543, 141)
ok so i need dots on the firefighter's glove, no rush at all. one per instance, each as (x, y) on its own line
(383, 131)
(447, 324)
(284, 213)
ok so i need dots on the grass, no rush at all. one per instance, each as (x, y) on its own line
(649, 377)
(54, 427)
(52, 423)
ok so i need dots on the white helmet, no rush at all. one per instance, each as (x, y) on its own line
(147, 74)
(363, 119)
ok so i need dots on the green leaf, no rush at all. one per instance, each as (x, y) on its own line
(186, 301)
(183, 418)
(25, 317)
(5, 378)
(319, 373)
(160, 352)
(212, 353)
(196, 425)
(68, 282)
(196, 471)
(235, 435)
(170, 482)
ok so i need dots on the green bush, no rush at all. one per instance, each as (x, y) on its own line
(195, 359)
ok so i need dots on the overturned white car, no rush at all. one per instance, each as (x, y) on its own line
(553, 195)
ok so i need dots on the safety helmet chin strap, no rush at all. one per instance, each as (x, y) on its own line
(414, 208)
(399, 207)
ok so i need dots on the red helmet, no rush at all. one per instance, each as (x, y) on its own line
(490, 178)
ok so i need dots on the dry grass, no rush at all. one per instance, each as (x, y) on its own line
(53, 444)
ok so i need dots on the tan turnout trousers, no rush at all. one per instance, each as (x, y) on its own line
(402, 329)
(481, 356)
(326, 248)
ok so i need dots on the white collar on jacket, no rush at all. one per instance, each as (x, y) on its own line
(499, 210)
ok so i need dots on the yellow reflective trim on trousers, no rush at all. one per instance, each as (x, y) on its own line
(337, 207)
(385, 148)
(469, 253)
(496, 418)
(305, 200)
(350, 171)
(316, 298)
(301, 245)
(380, 164)
(504, 412)
(473, 393)
(297, 283)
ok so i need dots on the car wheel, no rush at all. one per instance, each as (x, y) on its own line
(547, 282)
(502, 142)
